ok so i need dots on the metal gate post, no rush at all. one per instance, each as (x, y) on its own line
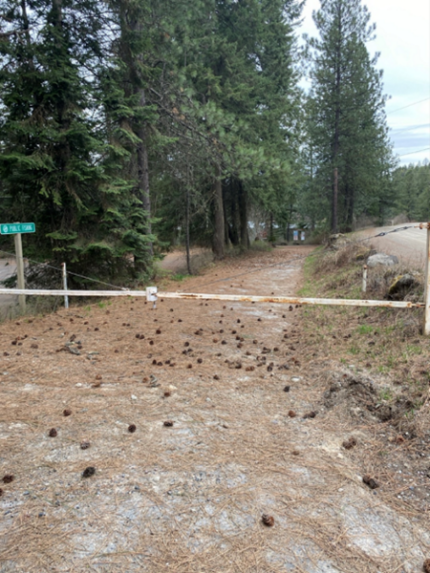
(426, 326)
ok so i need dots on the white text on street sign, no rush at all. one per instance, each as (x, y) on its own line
(15, 228)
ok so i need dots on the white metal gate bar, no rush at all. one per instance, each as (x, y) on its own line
(225, 297)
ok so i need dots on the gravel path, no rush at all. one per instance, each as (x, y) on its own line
(250, 477)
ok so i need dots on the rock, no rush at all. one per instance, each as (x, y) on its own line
(382, 259)
(337, 241)
(365, 254)
(401, 285)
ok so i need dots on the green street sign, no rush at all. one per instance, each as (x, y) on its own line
(15, 228)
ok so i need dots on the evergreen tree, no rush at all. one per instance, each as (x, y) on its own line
(52, 146)
(347, 121)
(411, 189)
(242, 71)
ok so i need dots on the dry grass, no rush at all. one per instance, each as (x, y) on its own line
(384, 342)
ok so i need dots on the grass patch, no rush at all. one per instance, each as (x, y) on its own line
(178, 277)
(365, 329)
(384, 341)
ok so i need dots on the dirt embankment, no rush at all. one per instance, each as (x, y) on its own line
(198, 419)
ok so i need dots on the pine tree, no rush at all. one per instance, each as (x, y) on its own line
(410, 186)
(244, 80)
(52, 144)
(348, 128)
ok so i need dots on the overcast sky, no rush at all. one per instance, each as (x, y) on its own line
(403, 38)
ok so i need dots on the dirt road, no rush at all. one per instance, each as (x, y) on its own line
(251, 431)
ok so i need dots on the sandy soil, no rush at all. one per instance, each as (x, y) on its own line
(257, 430)
(176, 262)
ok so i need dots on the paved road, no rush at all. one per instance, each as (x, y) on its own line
(7, 268)
(409, 245)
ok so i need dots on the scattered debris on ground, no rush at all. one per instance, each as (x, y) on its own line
(117, 490)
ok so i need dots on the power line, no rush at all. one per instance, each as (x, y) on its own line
(410, 127)
(409, 105)
(413, 152)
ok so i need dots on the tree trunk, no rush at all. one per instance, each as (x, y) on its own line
(143, 171)
(187, 232)
(218, 238)
(26, 24)
(334, 222)
(235, 215)
(243, 212)
(227, 206)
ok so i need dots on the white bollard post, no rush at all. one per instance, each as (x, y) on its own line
(151, 296)
(66, 298)
(426, 325)
(364, 286)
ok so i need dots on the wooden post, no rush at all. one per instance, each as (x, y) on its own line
(20, 270)
(426, 325)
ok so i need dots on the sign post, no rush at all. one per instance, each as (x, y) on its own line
(20, 270)
(17, 229)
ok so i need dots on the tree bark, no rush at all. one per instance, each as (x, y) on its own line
(334, 221)
(349, 215)
(25, 21)
(243, 213)
(143, 171)
(334, 203)
(187, 232)
(218, 238)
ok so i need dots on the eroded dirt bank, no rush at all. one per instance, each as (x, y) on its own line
(258, 428)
